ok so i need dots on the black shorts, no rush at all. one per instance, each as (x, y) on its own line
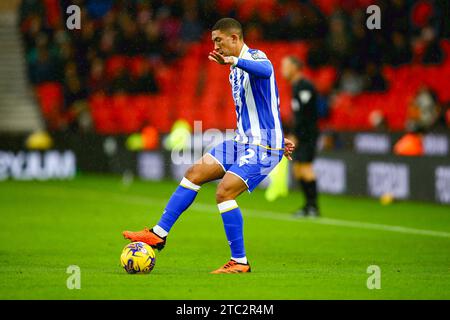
(305, 151)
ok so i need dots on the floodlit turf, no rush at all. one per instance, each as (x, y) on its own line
(47, 226)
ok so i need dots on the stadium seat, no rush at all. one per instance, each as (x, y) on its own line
(100, 107)
(126, 114)
(114, 65)
(326, 6)
(53, 12)
(204, 94)
(135, 64)
(154, 111)
(50, 97)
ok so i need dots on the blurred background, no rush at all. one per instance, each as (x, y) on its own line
(112, 96)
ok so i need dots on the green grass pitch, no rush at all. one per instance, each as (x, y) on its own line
(47, 226)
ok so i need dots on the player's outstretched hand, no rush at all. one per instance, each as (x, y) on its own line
(219, 58)
(289, 147)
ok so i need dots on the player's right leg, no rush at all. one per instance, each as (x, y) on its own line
(205, 170)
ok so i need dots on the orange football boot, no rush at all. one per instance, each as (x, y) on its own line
(233, 267)
(147, 236)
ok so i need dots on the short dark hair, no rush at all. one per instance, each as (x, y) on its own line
(227, 25)
(296, 62)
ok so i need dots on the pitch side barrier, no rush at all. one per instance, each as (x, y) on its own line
(359, 164)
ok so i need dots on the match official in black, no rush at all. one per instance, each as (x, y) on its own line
(304, 132)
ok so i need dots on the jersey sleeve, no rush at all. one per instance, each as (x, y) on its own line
(258, 65)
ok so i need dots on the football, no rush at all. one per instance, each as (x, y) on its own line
(138, 257)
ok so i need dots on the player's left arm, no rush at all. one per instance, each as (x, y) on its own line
(260, 67)
(289, 147)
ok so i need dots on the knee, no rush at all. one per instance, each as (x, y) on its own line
(307, 173)
(303, 171)
(193, 175)
(223, 194)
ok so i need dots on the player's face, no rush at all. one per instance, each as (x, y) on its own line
(224, 43)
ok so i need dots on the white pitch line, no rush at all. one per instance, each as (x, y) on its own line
(375, 226)
(142, 200)
(333, 222)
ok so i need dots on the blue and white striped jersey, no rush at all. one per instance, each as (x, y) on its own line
(255, 95)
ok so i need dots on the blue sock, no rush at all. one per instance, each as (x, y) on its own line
(180, 200)
(233, 223)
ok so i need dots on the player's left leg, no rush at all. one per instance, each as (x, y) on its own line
(253, 164)
(228, 190)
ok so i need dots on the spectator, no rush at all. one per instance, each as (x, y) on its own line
(97, 80)
(144, 81)
(395, 17)
(374, 80)
(107, 43)
(32, 29)
(378, 121)
(432, 51)
(98, 8)
(42, 67)
(130, 40)
(121, 83)
(191, 30)
(74, 101)
(318, 54)
(360, 46)
(400, 52)
(162, 30)
(253, 33)
(423, 111)
(350, 81)
(338, 41)
(152, 40)
(443, 121)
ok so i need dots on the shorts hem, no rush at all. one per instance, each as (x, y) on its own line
(234, 173)
(217, 160)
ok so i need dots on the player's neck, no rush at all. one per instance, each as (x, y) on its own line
(239, 49)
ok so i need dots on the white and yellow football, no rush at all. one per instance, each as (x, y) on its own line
(138, 257)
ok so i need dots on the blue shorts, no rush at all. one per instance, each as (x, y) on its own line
(251, 163)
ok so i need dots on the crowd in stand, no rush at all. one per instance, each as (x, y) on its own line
(160, 31)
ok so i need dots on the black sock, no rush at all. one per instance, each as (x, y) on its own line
(310, 191)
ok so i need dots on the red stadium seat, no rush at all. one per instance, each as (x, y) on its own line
(327, 6)
(126, 113)
(247, 8)
(324, 79)
(53, 12)
(135, 64)
(114, 65)
(154, 110)
(100, 106)
(195, 89)
(50, 97)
